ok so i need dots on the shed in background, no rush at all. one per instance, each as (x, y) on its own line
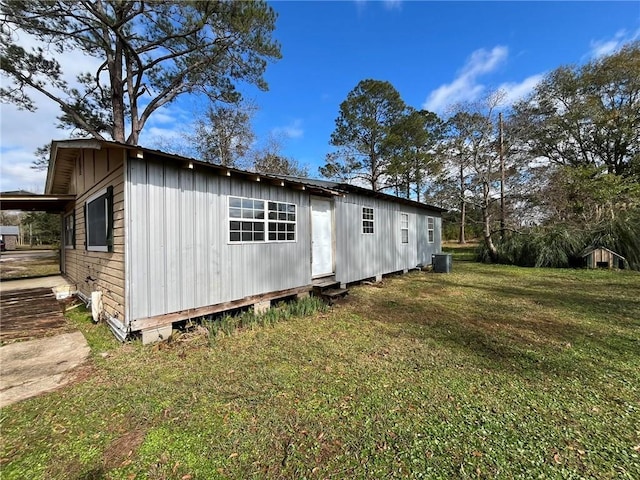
(9, 234)
(601, 257)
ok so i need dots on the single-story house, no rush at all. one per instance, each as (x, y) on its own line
(9, 235)
(157, 238)
(601, 257)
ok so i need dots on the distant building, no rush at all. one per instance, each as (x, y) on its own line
(601, 257)
(9, 235)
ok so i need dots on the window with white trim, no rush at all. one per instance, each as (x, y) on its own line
(367, 220)
(282, 222)
(70, 230)
(252, 220)
(246, 220)
(430, 230)
(404, 227)
(99, 221)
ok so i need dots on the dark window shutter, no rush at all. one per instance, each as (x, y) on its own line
(86, 224)
(73, 234)
(110, 219)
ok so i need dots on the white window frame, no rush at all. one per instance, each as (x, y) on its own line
(93, 198)
(431, 231)
(404, 228)
(286, 217)
(368, 221)
(282, 219)
(69, 235)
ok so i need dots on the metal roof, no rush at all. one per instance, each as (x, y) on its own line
(349, 188)
(9, 230)
(65, 152)
(593, 248)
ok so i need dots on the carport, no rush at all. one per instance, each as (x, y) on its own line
(29, 306)
(32, 202)
(30, 311)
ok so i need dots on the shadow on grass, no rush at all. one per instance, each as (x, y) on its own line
(527, 331)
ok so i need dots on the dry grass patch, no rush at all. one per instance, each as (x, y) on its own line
(28, 267)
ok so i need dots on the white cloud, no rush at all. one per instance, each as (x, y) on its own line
(604, 47)
(465, 86)
(21, 132)
(293, 130)
(16, 172)
(516, 91)
(388, 4)
(392, 4)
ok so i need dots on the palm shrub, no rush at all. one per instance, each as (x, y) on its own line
(622, 235)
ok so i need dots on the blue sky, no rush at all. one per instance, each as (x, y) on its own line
(435, 54)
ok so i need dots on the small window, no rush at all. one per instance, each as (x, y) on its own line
(404, 227)
(99, 220)
(282, 222)
(252, 220)
(430, 230)
(367, 220)
(70, 230)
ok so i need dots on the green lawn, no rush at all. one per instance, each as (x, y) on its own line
(486, 372)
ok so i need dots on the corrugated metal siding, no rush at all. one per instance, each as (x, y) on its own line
(360, 256)
(426, 249)
(177, 234)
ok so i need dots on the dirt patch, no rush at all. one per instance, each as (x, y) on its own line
(121, 451)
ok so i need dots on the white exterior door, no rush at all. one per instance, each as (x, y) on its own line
(321, 237)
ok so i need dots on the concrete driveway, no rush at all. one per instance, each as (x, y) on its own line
(29, 368)
(37, 366)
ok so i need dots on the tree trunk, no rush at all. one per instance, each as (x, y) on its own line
(115, 64)
(463, 208)
(463, 215)
(486, 221)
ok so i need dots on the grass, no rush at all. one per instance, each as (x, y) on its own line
(15, 268)
(487, 372)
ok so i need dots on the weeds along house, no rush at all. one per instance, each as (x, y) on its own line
(164, 238)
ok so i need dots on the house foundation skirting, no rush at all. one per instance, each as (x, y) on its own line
(168, 319)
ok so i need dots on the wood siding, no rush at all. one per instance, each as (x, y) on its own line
(178, 229)
(10, 241)
(91, 271)
(603, 258)
(360, 255)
